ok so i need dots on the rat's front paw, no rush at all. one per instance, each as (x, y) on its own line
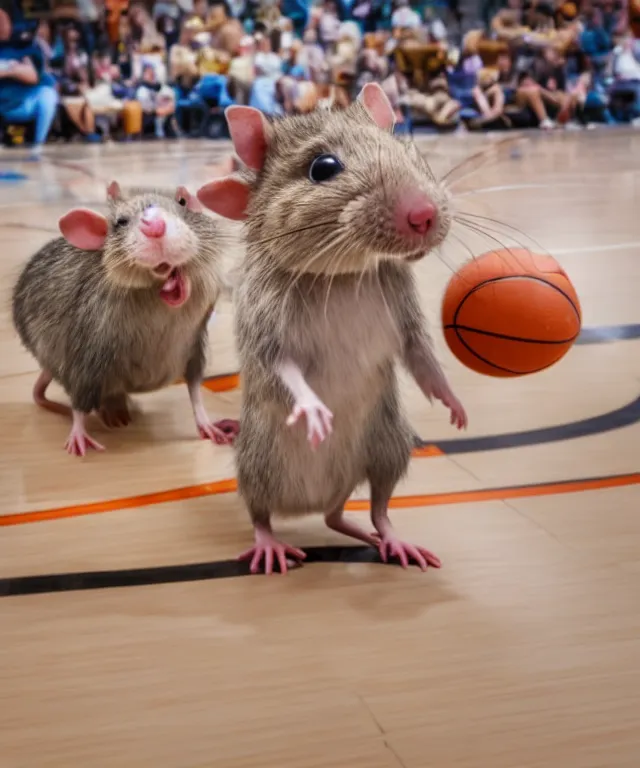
(318, 417)
(449, 400)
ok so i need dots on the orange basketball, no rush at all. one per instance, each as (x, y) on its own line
(510, 313)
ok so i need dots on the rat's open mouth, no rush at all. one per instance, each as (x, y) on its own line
(175, 289)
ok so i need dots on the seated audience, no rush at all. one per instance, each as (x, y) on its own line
(27, 93)
(541, 64)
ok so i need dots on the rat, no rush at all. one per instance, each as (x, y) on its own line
(120, 305)
(336, 209)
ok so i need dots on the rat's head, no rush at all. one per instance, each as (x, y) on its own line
(332, 192)
(150, 240)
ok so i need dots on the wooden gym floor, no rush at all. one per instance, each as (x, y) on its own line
(522, 652)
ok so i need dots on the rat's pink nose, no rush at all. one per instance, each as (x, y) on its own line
(152, 224)
(422, 217)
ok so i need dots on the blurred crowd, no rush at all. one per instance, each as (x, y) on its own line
(97, 70)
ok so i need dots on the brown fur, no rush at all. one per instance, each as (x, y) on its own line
(95, 320)
(327, 283)
(348, 220)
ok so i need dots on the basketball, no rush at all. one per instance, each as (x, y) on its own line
(510, 313)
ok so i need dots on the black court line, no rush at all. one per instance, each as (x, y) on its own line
(595, 425)
(169, 574)
(603, 334)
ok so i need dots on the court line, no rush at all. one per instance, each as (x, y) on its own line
(625, 416)
(595, 248)
(398, 502)
(621, 417)
(604, 334)
(135, 577)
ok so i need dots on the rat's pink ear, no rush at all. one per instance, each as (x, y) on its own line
(113, 191)
(85, 229)
(248, 129)
(229, 197)
(377, 105)
(191, 202)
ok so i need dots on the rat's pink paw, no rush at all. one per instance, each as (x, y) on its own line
(221, 432)
(449, 400)
(79, 441)
(458, 414)
(390, 546)
(318, 417)
(268, 548)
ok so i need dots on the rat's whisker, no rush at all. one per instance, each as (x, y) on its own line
(504, 224)
(480, 159)
(442, 258)
(489, 236)
(462, 243)
(481, 227)
(290, 232)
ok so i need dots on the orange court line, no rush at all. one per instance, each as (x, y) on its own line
(399, 502)
(222, 383)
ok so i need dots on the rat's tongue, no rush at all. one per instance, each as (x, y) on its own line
(175, 290)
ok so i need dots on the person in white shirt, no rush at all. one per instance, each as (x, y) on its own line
(404, 17)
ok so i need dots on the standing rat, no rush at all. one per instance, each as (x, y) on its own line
(120, 304)
(336, 209)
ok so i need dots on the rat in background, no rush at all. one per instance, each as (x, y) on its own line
(120, 304)
(336, 209)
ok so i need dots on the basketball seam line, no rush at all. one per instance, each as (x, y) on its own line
(511, 277)
(500, 367)
(509, 338)
(482, 359)
(497, 280)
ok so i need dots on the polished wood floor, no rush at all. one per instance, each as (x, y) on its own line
(522, 652)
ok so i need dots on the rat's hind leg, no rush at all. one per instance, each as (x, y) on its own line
(260, 472)
(389, 452)
(40, 395)
(224, 431)
(79, 439)
(85, 390)
(335, 520)
(268, 548)
(114, 411)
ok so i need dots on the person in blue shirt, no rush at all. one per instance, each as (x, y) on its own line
(27, 93)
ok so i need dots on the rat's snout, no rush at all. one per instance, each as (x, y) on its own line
(152, 223)
(415, 215)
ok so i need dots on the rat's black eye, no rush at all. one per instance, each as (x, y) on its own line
(182, 201)
(324, 167)
(122, 221)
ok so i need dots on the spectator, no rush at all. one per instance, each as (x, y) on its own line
(595, 41)
(242, 71)
(43, 41)
(311, 57)
(329, 25)
(226, 32)
(490, 100)
(404, 17)
(27, 93)
(183, 57)
(625, 92)
(144, 35)
(157, 102)
(266, 61)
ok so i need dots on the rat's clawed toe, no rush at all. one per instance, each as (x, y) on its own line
(78, 443)
(271, 551)
(391, 547)
(222, 432)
